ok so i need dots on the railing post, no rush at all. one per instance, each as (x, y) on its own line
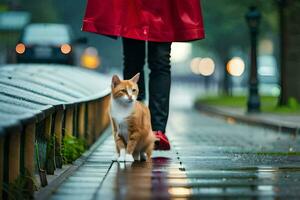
(81, 120)
(98, 117)
(105, 111)
(69, 121)
(50, 166)
(58, 137)
(29, 154)
(75, 121)
(14, 156)
(91, 123)
(1, 164)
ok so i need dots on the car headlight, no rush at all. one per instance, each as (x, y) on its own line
(20, 48)
(65, 48)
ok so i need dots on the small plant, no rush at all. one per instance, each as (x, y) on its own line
(21, 188)
(72, 148)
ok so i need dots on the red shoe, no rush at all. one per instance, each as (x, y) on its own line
(162, 142)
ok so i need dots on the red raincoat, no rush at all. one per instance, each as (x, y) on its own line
(150, 20)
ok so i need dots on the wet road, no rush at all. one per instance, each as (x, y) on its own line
(210, 158)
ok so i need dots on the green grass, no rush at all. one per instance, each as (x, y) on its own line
(268, 103)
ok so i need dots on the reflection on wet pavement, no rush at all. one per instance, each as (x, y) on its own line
(139, 180)
(210, 158)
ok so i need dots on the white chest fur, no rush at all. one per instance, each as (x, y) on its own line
(119, 112)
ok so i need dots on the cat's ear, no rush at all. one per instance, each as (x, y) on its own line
(115, 81)
(136, 77)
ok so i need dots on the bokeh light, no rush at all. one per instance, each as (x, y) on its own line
(236, 66)
(195, 65)
(20, 48)
(65, 48)
(90, 58)
(179, 191)
(206, 67)
(202, 66)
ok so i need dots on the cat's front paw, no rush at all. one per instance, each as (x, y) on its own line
(129, 158)
(121, 158)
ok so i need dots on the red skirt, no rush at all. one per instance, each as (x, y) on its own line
(149, 20)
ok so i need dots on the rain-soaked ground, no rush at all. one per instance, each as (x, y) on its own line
(210, 158)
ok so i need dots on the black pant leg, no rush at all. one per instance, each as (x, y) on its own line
(159, 83)
(134, 61)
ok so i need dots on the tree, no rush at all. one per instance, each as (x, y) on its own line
(290, 60)
(42, 11)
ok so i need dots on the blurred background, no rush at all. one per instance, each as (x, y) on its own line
(50, 31)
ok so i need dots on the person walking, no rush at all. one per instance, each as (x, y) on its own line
(157, 23)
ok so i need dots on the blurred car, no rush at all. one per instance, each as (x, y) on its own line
(46, 43)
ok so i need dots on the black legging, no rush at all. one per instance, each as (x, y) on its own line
(160, 76)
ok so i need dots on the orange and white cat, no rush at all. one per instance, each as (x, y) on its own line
(130, 120)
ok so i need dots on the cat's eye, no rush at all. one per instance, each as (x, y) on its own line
(124, 90)
(133, 90)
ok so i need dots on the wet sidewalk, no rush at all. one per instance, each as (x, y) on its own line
(284, 122)
(291, 120)
(210, 158)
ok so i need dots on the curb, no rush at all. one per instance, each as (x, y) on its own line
(46, 192)
(211, 110)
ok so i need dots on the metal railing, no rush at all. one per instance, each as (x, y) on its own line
(39, 106)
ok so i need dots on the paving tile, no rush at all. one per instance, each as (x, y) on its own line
(79, 185)
(75, 191)
(93, 179)
(71, 197)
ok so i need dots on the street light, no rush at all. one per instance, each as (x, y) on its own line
(253, 19)
(282, 51)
